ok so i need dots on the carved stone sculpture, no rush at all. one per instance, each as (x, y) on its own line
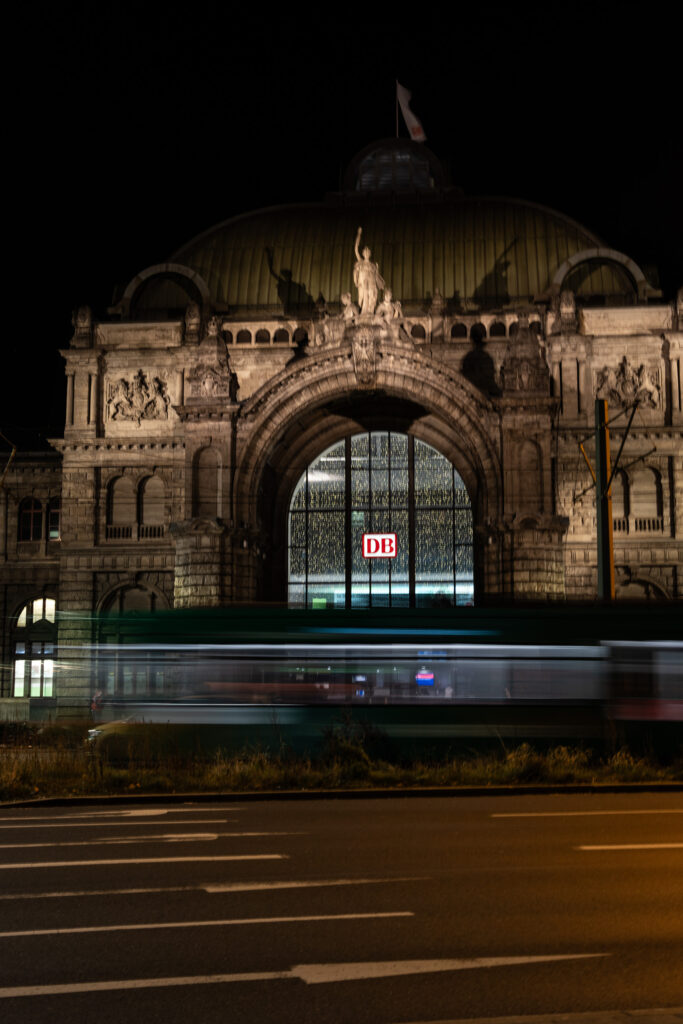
(364, 356)
(389, 309)
(349, 310)
(193, 320)
(82, 321)
(139, 399)
(367, 278)
(628, 384)
(206, 381)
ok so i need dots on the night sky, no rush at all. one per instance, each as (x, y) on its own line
(132, 130)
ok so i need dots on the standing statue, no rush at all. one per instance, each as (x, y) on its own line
(367, 278)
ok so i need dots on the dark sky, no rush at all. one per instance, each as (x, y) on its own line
(135, 128)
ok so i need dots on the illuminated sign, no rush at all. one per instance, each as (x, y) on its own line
(424, 677)
(379, 545)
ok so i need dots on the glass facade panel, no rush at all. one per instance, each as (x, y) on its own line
(380, 482)
(19, 669)
(326, 551)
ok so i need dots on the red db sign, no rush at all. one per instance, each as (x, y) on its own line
(379, 545)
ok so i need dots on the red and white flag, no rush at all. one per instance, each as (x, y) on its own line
(417, 132)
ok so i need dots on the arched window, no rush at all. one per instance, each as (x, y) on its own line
(151, 498)
(206, 484)
(477, 332)
(497, 329)
(380, 483)
(30, 519)
(281, 336)
(417, 331)
(300, 336)
(54, 519)
(243, 338)
(121, 510)
(34, 649)
(646, 500)
(459, 331)
(262, 337)
(620, 502)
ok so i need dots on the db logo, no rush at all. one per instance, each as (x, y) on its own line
(379, 545)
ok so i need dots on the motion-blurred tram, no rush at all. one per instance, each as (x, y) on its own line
(626, 660)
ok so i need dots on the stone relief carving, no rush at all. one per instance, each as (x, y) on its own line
(193, 320)
(524, 367)
(364, 356)
(145, 397)
(367, 278)
(206, 381)
(628, 384)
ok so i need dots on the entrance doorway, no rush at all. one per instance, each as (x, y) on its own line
(380, 482)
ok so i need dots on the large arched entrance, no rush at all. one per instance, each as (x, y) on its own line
(380, 482)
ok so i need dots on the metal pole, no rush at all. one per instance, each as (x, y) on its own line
(603, 503)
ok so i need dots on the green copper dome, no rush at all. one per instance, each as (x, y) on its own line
(476, 252)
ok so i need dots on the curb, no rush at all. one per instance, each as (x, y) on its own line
(345, 794)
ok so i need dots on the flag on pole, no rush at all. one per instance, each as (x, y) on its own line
(413, 125)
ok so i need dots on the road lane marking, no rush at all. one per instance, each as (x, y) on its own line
(171, 837)
(634, 846)
(137, 812)
(316, 974)
(218, 888)
(126, 824)
(582, 814)
(311, 974)
(155, 926)
(141, 860)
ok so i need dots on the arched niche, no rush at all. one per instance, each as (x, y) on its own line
(206, 502)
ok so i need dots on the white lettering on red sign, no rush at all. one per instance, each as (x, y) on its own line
(379, 545)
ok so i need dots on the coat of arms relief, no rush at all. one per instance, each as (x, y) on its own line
(628, 384)
(145, 397)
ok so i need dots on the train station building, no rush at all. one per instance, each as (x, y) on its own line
(397, 359)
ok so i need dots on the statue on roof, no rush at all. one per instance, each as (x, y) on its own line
(367, 278)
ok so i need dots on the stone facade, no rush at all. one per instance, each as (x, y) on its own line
(187, 430)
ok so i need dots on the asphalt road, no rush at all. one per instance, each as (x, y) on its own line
(342, 911)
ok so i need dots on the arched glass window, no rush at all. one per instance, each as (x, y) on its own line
(34, 649)
(54, 508)
(30, 519)
(380, 483)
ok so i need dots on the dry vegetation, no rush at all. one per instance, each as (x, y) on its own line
(151, 759)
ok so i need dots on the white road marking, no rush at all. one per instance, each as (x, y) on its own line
(583, 814)
(634, 846)
(170, 837)
(156, 926)
(126, 824)
(137, 812)
(315, 974)
(219, 887)
(311, 974)
(140, 860)
(263, 886)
